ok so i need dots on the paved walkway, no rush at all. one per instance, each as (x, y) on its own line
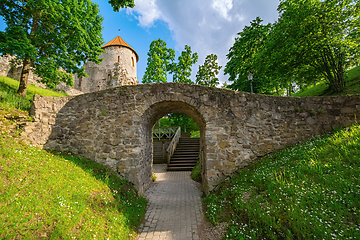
(174, 208)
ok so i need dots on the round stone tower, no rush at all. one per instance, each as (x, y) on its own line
(118, 68)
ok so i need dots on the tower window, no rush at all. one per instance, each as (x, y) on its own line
(132, 62)
(118, 58)
(109, 75)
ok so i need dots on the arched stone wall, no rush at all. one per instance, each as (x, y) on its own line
(152, 115)
(113, 127)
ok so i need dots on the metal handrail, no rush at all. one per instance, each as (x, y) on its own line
(172, 146)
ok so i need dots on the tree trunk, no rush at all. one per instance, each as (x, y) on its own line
(289, 91)
(334, 70)
(339, 82)
(24, 77)
(27, 62)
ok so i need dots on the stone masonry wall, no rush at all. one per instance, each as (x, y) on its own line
(12, 67)
(114, 127)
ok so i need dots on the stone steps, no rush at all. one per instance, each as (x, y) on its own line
(186, 155)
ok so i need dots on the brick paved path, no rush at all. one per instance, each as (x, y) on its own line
(174, 208)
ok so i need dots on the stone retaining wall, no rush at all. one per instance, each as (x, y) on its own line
(114, 126)
(12, 67)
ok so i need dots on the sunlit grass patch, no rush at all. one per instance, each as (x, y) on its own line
(309, 191)
(352, 86)
(9, 98)
(43, 195)
(317, 90)
(195, 134)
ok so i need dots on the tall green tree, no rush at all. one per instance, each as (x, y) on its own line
(247, 55)
(158, 63)
(186, 123)
(51, 34)
(315, 37)
(181, 74)
(244, 57)
(117, 4)
(182, 69)
(207, 73)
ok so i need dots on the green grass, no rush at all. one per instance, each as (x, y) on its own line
(195, 134)
(309, 191)
(9, 98)
(61, 196)
(352, 86)
(318, 90)
(196, 172)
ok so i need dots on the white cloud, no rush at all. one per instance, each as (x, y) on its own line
(148, 12)
(208, 27)
(222, 7)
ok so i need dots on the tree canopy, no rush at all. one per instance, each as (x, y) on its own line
(244, 58)
(321, 36)
(207, 73)
(182, 69)
(158, 63)
(312, 38)
(186, 123)
(51, 34)
(117, 4)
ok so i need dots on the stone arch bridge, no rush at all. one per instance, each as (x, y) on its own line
(114, 126)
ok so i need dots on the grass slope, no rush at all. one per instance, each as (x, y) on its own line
(60, 196)
(352, 86)
(9, 98)
(309, 191)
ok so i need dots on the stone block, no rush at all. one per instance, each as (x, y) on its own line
(310, 121)
(224, 144)
(211, 173)
(334, 112)
(347, 110)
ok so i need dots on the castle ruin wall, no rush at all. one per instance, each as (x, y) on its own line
(118, 68)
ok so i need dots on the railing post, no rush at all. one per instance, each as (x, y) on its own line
(163, 150)
(172, 146)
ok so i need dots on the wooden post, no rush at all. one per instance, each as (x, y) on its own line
(159, 130)
(163, 150)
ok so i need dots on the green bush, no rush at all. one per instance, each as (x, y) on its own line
(196, 172)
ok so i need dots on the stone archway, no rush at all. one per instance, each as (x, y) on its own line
(113, 127)
(149, 119)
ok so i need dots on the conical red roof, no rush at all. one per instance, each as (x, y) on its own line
(118, 41)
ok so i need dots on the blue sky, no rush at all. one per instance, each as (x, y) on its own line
(208, 26)
(139, 38)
